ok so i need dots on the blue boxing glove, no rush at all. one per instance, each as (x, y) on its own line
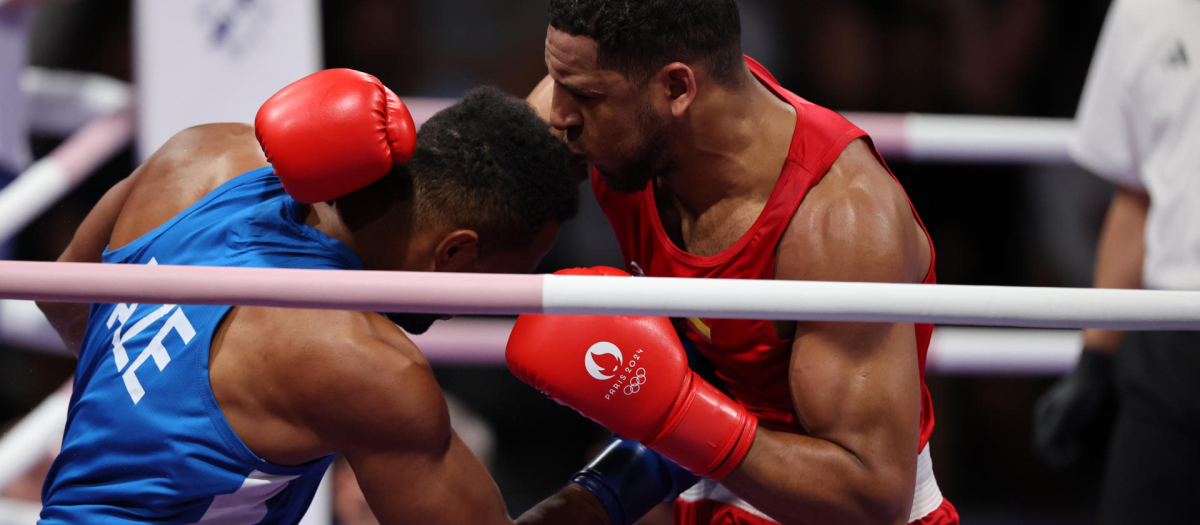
(630, 479)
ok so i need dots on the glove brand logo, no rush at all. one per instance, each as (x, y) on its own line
(631, 373)
(602, 348)
(636, 382)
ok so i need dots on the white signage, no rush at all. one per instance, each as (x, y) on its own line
(200, 61)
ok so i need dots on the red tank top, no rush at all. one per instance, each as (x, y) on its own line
(748, 355)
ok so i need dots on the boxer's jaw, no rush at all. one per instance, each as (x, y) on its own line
(649, 157)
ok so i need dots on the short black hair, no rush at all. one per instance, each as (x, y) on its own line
(489, 163)
(637, 37)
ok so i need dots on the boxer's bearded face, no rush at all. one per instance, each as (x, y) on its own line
(647, 154)
(606, 119)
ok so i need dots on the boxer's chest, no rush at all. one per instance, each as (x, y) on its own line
(710, 231)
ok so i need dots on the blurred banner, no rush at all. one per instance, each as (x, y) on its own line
(200, 61)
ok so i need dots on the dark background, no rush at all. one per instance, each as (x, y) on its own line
(999, 224)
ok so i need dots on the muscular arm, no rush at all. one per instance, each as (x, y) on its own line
(855, 386)
(1119, 256)
(182, 171)
(70, 319)
(377, 403)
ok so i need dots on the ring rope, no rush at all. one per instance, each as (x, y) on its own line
(503, 294)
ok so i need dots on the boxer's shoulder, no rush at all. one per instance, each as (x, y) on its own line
(198, 159)
(182, 171)
(300, 384)
(856, 224)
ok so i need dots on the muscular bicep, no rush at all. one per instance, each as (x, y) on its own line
(857, 384)
(182, 171)
(70, 319)
(443, 483)
(93, 233)
(391, 423)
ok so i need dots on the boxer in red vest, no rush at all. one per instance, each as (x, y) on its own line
(706, 167)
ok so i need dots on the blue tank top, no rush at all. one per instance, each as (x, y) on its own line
(145, 440)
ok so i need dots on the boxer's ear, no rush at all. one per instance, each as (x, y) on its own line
(677, 82)
(457, 252)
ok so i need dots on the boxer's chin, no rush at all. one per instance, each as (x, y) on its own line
(624, 180)
(415, 324)
(636, 173)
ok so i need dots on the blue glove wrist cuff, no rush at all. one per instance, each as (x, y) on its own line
(630, 480)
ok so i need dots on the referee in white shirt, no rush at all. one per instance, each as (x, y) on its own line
(1138, 126)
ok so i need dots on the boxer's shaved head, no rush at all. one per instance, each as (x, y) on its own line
(637, 37)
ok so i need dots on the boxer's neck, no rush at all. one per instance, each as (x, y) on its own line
(734, 145)
(381, 238)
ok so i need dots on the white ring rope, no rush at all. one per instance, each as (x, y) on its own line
(931, 138)
(502, 294)
(61, 102)
(23, 325)
(875, 302)
(481, 340)
(970, 139)
(52, 176)
(32, 439)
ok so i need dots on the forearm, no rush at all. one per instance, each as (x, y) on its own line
(799, 479)
(572, 504)
(1119, 256)
(69, 320)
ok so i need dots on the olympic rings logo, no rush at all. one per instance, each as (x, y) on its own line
(636, 382)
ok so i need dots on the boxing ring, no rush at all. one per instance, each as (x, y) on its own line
(1046, 340)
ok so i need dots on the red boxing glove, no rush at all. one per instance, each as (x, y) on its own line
(631, 375)
(334, 132)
